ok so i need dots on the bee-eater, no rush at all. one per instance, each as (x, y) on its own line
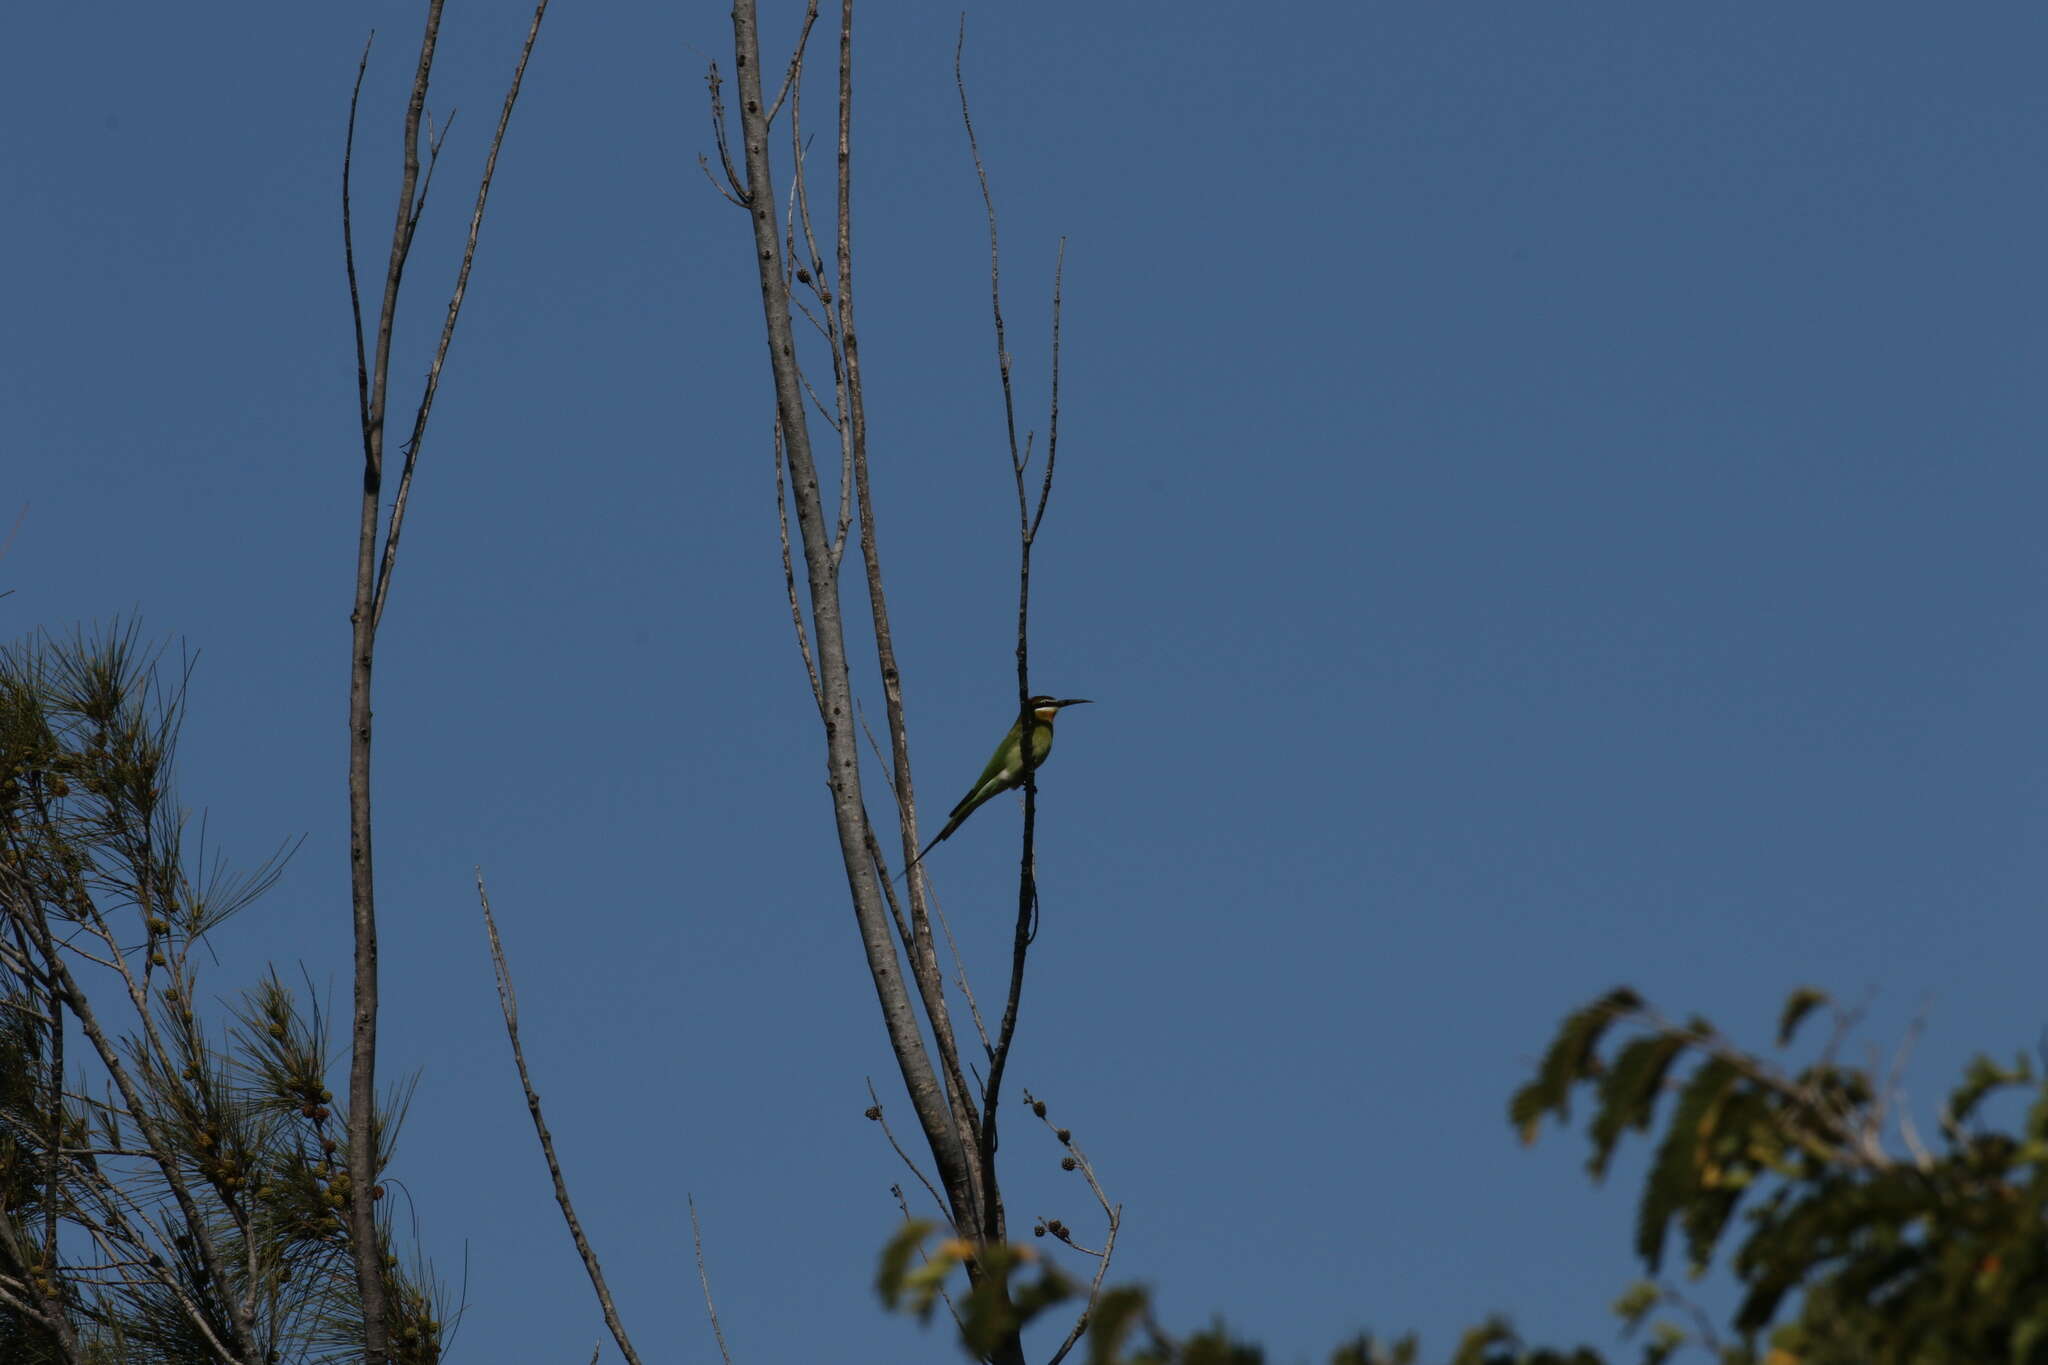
(1005, 771)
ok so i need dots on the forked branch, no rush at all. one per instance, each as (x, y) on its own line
(376, 562)
(936, 1104)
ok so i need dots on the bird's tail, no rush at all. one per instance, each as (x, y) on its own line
(940, 838)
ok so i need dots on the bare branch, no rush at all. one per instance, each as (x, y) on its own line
(704, 165)
(1052, 431)
(348, 240)
(1894, 1089)
(875, 1112)
(960, 973)
(1112, 1213)
(919, 903)
(741, 196)
(374, 572)
(455, 298)
(508, 1005)
(362, 1155)
(855, 472)
(697, 1240)
(796, 611)
(835, 310)
(903, 929)
(794, 75)
(434, 141)
(1027, 524)
(959, 1167)
(995, 271)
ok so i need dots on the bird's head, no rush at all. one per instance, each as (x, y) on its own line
(1045, 708)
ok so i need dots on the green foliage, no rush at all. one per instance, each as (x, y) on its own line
(208, 1163)
(1914, 1256)
(996, 1302)
(1117, 1314)
(1798, 1006)
(1364, 1350)
(1118, 1326)
(1213, 1347)
(1852, 1241)
(1981, 1079)
(1629, 1093)
(1574, 1051)
(1494, 1342)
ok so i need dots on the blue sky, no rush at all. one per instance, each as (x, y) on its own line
(1549, 497)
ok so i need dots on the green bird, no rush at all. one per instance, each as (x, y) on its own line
(1005, 770)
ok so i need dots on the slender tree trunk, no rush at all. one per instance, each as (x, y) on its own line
(973, 1204)
(362, 1071)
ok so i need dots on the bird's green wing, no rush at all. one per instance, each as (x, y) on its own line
(995, 779)
(991, 782)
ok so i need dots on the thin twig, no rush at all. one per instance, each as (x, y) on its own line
(741, 196)
(930, 900)
(1066, 1140)
(1027, 886)
(888, 883)
(995, 271)
(703, 1278)
(704, 165)
(1052, 430)
(1055, 1228)
(1094, 1288)
(13, 531)
(348, 240)
(1909, 1133)
(796, 611)
(161, 1277)
(1112, 1213)
(830, 327)
(508, 1005)
(888, 886)
(455, 298)
(1894, 1086)
(960, 971)
(880, 1117)
(54, 1137)
(794, 75)
(435, 140)
(434, 144)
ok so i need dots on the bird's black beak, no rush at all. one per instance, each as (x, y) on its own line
(1075, 701)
